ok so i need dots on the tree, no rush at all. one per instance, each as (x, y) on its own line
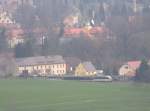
(7, 65)
(3, 40)
(25, 15)
(19, 50)
(26, 49)
(143, 73)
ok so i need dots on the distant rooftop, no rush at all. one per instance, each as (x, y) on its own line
(134, 64)
(40, 60)
(89, 66)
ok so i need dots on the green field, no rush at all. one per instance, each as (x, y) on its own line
(40, 95)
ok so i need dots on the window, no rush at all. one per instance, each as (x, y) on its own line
(35, 67)
(43, 67)
(57, 65)
(126, 67)
(39, 67)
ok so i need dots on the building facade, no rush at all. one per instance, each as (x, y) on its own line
(5, 18)
(85, 69)
(44, 66)
(129, 68)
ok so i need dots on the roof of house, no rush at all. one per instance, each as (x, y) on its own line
(70, 32)
(40, 60)
(134, 64)
(89, 66)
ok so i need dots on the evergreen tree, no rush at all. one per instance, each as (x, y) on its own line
(143, 73)
(3, 40)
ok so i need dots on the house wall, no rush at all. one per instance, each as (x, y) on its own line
(13, 42)
(91, 73)
(127, 71)
(43, 70)
(81, 71)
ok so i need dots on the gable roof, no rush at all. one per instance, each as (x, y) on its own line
(134, 64)
(40, 60)
(89, 66)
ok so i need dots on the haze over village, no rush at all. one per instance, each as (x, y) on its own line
(80, 38)
(74, 55)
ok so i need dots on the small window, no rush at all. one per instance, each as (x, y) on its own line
(44, 66)
(35, 67)
(126, 67)
(39, 67)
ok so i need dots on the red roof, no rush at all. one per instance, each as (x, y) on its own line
(134, 64)
(78, 31)
(97, 30)
(73, 31)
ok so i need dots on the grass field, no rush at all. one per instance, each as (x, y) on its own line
(40, 95)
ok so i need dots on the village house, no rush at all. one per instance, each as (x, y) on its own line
(85, 69)
(13, 31)
(5, 18)
(87, 31)
(129, 68)
(15, 35)
(42, 65)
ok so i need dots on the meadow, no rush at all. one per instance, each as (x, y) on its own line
(46, 95)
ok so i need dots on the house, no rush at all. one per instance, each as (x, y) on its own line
(5, 18)
(42, 65)
(85, 69)
(87, 31)
(72, 32)
(129, 68)
(15, 36)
